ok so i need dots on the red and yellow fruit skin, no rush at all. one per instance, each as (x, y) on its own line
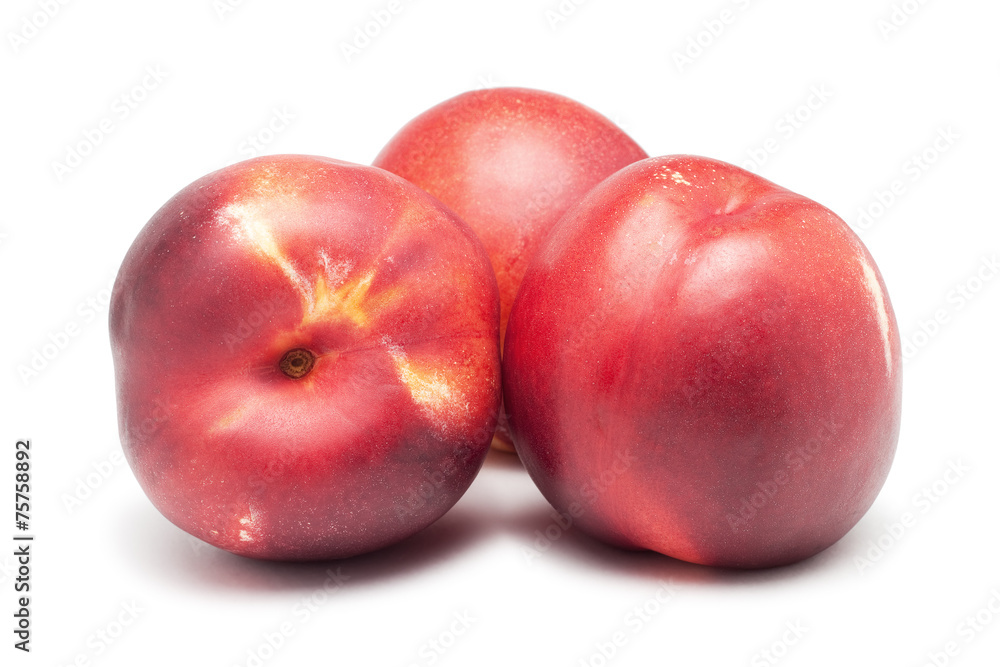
(702, 363)
(388, 288)
(510, 162)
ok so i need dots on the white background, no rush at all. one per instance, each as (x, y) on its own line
(885, 98)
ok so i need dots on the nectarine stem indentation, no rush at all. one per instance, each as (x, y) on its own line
(297, 363)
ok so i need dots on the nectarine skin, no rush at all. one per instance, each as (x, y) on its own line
(702, 363)
(510, 162)
(307, 358)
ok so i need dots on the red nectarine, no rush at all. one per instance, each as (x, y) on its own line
(702, 363)
(510, 162)
(307, 358)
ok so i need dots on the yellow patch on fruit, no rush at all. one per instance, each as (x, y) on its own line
(429, 388)
(321, 301)
(230, 419)
(345, 301)
(252, 229)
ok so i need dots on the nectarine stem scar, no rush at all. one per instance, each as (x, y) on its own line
(297, 363)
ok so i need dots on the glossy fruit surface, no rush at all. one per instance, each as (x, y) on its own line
(702, 363)
(306, 357)
(510, 162)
